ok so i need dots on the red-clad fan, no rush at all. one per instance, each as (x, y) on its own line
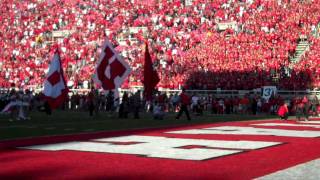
(283, 111)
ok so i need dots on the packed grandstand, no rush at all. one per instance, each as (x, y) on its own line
(199, 44)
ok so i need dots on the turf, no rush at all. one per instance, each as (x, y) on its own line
(73, 122)
(32, 163)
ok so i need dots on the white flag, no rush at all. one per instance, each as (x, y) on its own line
(55, 89)
(111, 69)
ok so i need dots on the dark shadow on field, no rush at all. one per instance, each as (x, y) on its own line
(12, 144)
(14, 155)
(26, 166)
(33, 173)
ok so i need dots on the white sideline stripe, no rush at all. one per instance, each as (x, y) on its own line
(287, 124)
(50, 128)
(305, 171)
(31, 127)
(310, 122)
(68, 129)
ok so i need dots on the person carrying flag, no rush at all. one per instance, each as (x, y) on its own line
(111, 71)
(55, 89)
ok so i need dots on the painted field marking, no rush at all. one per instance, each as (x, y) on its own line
(237, 130)
(306, 171)
(160, 147)
(31, 127)
(310, 122)
(88, 130)
(50, 128)
(288, 124)
(68, 129)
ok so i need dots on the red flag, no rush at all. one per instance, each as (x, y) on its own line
(151, 78)
(111, 69)
(55, 89)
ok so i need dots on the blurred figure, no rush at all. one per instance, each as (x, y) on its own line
(158, 112)
(184, 103)
(136, 103)
(124, 106)
(91, 101)
(306, 107)
(47, 108)
(299, 108)
(283, 112)
(174, 100)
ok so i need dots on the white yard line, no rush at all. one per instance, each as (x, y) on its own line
(50, 128)
(310, 122)
(288, 124)
(68, 129)
(31, 127)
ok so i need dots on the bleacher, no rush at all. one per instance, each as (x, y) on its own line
(241, 43)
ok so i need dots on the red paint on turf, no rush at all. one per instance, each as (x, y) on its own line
(34, 164)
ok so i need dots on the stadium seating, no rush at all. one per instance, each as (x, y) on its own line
(187, 46)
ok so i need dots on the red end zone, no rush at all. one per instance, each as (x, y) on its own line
(163, 153)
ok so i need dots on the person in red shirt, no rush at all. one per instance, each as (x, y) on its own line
(283, 112)
(184, 103)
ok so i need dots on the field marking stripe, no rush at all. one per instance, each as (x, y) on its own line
(288, 124)
(131, 129)
(305, 171)
(50, 128)
(310, 122)
(68, 129)
(103, 121)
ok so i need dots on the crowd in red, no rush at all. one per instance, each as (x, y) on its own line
(187, 47)
(308, 69)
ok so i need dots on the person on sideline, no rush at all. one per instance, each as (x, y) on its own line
(184, 103)
(283, 112)
(158, 112)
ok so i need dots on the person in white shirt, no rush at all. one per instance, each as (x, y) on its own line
(194, 102)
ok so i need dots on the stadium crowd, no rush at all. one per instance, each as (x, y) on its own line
(187, 46)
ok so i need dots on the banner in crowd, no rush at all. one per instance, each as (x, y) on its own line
(268, 91)
(55, 88)
(111, 69)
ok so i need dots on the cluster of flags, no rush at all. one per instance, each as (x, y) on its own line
(111, 71)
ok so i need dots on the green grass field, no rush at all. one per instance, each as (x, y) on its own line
(72, 122)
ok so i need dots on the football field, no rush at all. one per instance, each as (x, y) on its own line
(78, 122)
(253, 149)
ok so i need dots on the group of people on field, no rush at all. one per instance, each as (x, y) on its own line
(183, 102)
(303, 109)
